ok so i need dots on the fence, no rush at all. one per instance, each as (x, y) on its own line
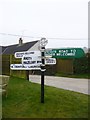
(64, 66)
(5, 64)
(0, 64)
(67, 66)
(19, 73)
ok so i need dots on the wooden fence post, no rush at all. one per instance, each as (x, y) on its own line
(27, 75)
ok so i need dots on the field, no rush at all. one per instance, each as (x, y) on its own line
(23, 101)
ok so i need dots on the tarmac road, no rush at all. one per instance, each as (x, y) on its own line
(73, 84)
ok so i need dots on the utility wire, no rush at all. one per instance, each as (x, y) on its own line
(16, 35)
(9, 34)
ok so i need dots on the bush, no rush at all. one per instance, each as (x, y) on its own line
(81, 65)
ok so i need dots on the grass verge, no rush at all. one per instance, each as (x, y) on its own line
(23, 101)
(86, 76)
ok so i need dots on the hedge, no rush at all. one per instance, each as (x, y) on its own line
(80, 65)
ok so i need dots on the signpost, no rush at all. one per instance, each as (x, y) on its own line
(43, 43)
(36, 60)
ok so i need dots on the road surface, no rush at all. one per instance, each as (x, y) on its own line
(73, 84)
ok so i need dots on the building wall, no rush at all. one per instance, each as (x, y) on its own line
(35, 47)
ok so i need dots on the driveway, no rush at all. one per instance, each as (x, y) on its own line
(73, 84)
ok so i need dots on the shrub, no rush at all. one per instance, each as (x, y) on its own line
(81, 65)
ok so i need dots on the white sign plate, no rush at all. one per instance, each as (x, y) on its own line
(28, 60)
(34, 60)
(29, 53)
(24, 67)
(50, 61)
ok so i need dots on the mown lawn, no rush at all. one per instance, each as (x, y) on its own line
(23, 101)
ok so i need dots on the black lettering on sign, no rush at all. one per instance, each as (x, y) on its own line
(29, 62)
(27, 58)
(39, 62)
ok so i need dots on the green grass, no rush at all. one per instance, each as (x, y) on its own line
(23, 101)
(87, 76)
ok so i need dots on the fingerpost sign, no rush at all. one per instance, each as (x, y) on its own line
(34, 60)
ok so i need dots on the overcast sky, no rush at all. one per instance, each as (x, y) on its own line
(63, 22)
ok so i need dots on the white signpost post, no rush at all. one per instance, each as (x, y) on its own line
(34, 60)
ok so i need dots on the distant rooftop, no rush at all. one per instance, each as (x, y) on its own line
(11, 49)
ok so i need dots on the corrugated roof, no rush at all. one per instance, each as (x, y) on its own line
(16, 48)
